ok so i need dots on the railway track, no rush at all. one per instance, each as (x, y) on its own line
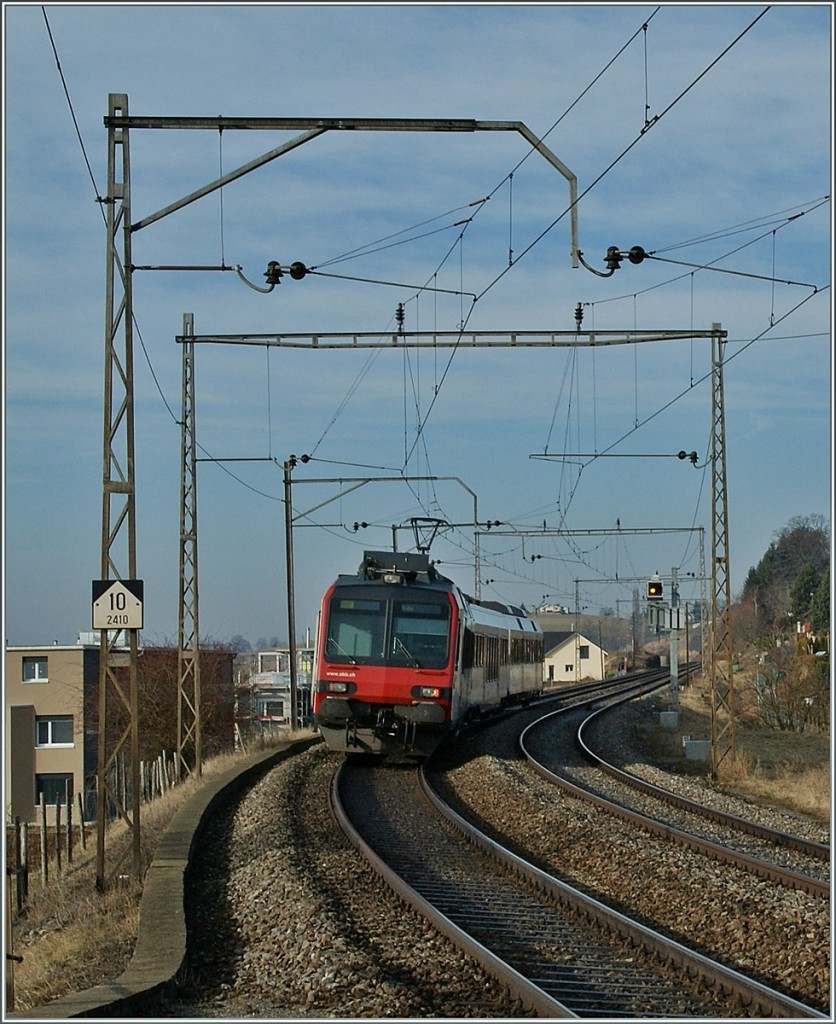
(782, 858)
(561, 952)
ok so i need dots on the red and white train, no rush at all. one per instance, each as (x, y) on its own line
(403, 657)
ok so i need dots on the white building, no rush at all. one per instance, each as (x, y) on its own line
(569, 657)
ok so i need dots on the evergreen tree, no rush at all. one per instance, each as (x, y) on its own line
(803, 542)
(820, 605)
(802, 590)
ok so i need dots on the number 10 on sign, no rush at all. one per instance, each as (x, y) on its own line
(117, 604)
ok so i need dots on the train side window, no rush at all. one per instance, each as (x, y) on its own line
(468, 649)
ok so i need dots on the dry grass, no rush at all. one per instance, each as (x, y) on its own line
(806, 791)
(784, 769)
(72, 937)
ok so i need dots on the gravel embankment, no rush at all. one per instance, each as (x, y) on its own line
(779, 936)
(288, 921)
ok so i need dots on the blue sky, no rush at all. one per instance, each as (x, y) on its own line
(736, 155)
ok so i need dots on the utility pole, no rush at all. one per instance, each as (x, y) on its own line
(674, 640)
(291, 598)
(687, 650)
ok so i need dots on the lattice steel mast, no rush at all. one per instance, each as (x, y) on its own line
(721, 667)
(118, 510)
(189, 756)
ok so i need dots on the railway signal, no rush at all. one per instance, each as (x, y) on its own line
(654, 588)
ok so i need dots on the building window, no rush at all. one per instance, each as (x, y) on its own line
(273, 663)
(583, 651)
(269, 707)
(35, 670)
(54, 731)
(57, 787)
(569, 668)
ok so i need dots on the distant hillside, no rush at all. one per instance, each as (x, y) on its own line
(793, 568)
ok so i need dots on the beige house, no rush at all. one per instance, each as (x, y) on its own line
(47, 746)
(569, 657)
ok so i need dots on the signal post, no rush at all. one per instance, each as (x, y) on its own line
(666, 617)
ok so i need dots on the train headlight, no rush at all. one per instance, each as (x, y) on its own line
(429, 691)
(338, 687)
(392, 577)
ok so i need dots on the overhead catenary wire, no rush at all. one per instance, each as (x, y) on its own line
(709, 265)
(378, 246)
(155, 378)
(778, 217)
(465, 318)
(96, 192)
(584, 193)
(727, 359)
(564, 509)
(479, 204)
(137, 329)
(624, 152)
(423, 437)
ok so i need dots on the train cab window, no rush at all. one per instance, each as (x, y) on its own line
(355, 629)
(420, 633)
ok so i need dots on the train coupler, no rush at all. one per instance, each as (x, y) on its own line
(351, 733)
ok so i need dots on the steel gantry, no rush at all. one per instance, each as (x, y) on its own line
(321, 341)
(119, 489)
(118, 734)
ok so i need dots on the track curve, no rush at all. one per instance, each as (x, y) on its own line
(686, 826)
(568, 954)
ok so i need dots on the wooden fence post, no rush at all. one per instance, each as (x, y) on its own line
(81, 821)
(68, 794)
(58, 834)
(44, 865)
(11, 959)
(18, 867)
(24, 856)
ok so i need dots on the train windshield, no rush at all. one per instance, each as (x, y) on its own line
(388, 632)
(420, 633)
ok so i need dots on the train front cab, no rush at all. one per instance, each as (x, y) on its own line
(385, 656)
